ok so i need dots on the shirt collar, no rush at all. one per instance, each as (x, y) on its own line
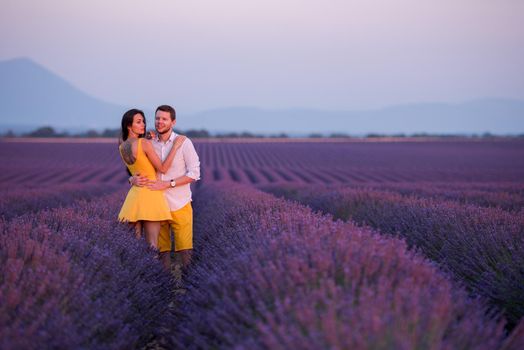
(170, 139)
(172, 136)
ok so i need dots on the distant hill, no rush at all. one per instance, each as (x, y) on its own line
(31, 96)
(498, 116)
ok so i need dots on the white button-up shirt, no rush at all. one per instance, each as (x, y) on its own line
(186, 163)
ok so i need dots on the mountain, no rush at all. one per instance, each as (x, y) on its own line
(498, 116)
(31, 96)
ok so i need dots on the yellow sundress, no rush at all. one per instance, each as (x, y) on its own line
(142, 203)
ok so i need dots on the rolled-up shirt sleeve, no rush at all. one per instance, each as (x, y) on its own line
(192, 161)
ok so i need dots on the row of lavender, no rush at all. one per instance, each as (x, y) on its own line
(73, 277)
(350, 163)
(269, 273)
(506, 196)
(18, 201)
(483, 248)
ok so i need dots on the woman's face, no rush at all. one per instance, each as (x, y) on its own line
(138, 127)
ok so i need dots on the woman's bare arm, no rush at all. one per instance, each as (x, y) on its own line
(155, 160)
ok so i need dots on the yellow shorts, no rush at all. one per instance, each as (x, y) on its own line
(182, 226)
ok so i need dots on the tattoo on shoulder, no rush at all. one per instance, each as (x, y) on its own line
(127, 152)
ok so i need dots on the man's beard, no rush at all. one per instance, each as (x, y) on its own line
(163, 132)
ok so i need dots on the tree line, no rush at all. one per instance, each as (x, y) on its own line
(50, 132)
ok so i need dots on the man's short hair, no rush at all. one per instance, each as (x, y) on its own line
(167, 108)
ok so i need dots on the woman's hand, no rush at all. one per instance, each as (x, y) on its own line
(179, 141)
(150, 135)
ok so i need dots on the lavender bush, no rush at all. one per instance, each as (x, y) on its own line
(18, 201)
(507, 196)
(271, 274)
(75, 278)
(38, 289)
(482, 247)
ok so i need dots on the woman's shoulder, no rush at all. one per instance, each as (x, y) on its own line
(146, 143)
(124, 144)
(131, 143)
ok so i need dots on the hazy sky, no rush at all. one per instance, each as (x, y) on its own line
(331, 54)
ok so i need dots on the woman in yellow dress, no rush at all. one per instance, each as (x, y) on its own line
(144, 207)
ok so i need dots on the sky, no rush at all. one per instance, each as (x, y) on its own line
(325, 54)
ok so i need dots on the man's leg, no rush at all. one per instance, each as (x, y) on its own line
(185, 257)
(164, 245)
(182, 225)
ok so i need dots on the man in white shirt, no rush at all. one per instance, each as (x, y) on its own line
(176, 186)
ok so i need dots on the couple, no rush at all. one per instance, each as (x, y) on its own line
(162, 170)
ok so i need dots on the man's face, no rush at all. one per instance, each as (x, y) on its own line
(163, 122)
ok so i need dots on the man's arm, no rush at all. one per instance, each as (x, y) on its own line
(192, 161)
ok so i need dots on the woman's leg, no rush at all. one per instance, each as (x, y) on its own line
(152, 229)
(138, 229)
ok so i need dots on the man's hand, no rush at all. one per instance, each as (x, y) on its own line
(140, 181)
(159, 185)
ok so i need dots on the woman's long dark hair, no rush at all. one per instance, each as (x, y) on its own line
(127, 120)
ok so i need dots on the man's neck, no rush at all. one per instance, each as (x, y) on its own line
(165, 136)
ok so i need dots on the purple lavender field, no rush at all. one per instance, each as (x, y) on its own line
(298, 245)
